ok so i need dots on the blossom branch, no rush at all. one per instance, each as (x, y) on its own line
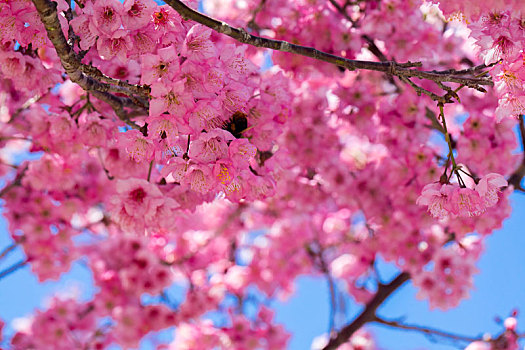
(126, 87)
(316, 254)
(449, 143)
(426, 330)
(401, 70)
(48, 14)
(7, 250)
(517, 176)
(368, 314)
(12, 268)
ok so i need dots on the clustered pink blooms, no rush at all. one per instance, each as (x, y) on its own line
(487, 146)
(451, 279)
(447, 200)
(234, 181)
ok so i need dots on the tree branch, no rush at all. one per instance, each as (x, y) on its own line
(48, 14)
(7, 250)
(120, 86)
(316, 254)
(425, 330)
(401, 70)
(12, 268)
(368, 314)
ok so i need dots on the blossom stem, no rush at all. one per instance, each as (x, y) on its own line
(149, 170)
(425, 330)
(449, 143)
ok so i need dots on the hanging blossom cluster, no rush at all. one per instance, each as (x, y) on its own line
(445, 200)
(192, 182)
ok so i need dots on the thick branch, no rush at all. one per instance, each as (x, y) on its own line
(48, 14)
(369, 313)
(121, 86)
(402, 70)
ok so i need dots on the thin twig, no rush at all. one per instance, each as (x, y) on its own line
(425, 330)
(316, 254)
(7, 250)
(149, 170)
(12, 268)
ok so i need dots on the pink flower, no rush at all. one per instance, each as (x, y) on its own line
(139, 148)
(210, 146)
(479, 345)
(106, 17)
(137, 13)
(510, 323)
(177, 168)
(138, 196)
(348, 266)
(174, 100)
(143, 40)
(224, 171)
(200, 178)
(118, 45)
(94, 131)
(436, 197)
(206, 116)
(489, 187)
(162, 127)
(242, 152)
(197, 45)
(166, 19)
(163, 65)
(466, 202)
(81, 27)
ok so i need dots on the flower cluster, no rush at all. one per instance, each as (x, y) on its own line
(66, 324)
(450, 279)
(447, 200)
(177, 166)
(501, 37)
(487, 146)
(134, 271)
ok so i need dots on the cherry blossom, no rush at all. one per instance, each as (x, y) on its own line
(193, 174)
